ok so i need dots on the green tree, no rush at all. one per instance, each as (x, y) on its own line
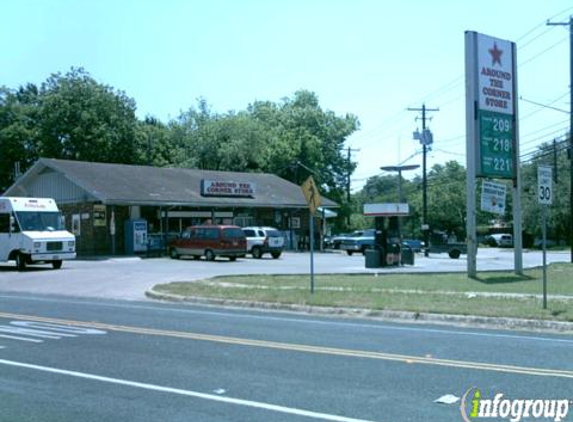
(19, 130)
(74, 117)
(229, 142)
(315, 141)
(446, 198)
(303, 140)
(293, 139)
(244, 144)
(156, 144)
(81, 119)
(559, 213)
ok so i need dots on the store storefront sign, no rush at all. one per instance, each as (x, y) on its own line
(227, 188)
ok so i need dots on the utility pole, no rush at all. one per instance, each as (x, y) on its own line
(426, 140)
(570, 24)
(349, 152)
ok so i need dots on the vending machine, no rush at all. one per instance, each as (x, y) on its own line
(135, 236)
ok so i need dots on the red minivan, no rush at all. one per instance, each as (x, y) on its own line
(210, 241)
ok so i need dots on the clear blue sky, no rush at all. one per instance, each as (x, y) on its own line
(373, 59)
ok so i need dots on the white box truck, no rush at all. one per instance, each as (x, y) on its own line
(31, 231)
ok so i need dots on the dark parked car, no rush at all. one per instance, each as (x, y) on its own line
(414, 244)
(335, 240)
(210, 241)
(359, 241)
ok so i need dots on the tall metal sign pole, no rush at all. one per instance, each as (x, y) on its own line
(491, 130)
(545, 198)
(313, 199)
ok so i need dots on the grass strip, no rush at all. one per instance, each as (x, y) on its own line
(496, 294)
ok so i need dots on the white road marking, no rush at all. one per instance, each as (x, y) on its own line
(69, 330)
(188, 393)
(33, 333)
(409, 359)
(30, 329)
(425, 328)
(31, 340)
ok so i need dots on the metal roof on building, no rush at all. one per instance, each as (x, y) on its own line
(122, 184)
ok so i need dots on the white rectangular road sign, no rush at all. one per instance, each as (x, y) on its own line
(545, 185)
(493, 197)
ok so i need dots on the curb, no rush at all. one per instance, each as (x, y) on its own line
(559, 327)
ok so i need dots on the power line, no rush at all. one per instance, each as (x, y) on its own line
(542, 106)
(570, 25)
(386, 130)
(532, 153)
(545, 154)
(561, 128)
(543, 23)
(462, 136)
(457, 154)
(545, 128)
(538, 55)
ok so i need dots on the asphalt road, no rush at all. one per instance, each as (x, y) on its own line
(64, 359)
(129, 278)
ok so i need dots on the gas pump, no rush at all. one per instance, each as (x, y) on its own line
(387, 237)
(387, 240)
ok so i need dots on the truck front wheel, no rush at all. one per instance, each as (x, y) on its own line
(454, 253)
(57, 264)
(21, 262)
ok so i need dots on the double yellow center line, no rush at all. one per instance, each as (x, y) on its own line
(302, 348)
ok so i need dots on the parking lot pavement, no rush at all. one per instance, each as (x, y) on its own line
(128, 278)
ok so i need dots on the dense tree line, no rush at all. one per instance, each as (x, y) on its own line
(72, 116)
(447, 199)
(559, 213)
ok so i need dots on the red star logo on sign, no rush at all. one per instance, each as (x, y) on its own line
(495, 54)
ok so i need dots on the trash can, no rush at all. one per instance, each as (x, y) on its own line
(407, 255)
(372, 258)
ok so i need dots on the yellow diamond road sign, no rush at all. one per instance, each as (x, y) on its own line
(311, 194)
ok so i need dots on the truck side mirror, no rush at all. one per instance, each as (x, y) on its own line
(13, 226)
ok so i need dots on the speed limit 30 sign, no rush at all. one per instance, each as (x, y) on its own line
(545, 185)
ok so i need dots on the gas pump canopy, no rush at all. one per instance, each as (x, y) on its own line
(386, 210)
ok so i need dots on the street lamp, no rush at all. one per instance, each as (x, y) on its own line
(400, 169)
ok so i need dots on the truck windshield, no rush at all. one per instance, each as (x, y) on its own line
(39, 221)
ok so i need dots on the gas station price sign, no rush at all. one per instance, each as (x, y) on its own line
(491, 111)
(496, 145)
